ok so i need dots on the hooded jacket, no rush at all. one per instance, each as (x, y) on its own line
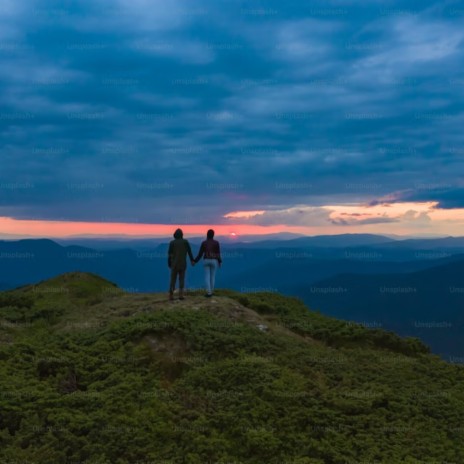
(178, 250)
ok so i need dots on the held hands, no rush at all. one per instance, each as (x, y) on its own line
(192, 262)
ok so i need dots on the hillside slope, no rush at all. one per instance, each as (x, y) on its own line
(89, 373)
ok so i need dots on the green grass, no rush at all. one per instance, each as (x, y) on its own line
(91, 374)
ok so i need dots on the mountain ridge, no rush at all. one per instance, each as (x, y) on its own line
(425, 303)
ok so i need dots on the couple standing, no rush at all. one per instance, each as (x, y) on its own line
(178, 250)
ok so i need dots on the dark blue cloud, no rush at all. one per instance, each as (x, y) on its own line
(133, 110)
(447, 197)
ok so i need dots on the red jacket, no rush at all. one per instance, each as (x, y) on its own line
(210, 249)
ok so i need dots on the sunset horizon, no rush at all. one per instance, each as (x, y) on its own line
(406, 219)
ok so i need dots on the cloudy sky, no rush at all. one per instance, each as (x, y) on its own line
(132, 117)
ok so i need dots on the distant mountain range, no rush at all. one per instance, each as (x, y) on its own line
(321, 241)
(278, 240)
(144, 243)
(283, 266)
(428, 304)
(294, 267)
(449, 243)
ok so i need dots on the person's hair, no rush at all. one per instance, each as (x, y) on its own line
(210, 233)
(178, 233)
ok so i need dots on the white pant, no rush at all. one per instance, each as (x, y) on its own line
(210, 266)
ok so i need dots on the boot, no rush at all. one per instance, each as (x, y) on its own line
(171, 295)
(181, 294)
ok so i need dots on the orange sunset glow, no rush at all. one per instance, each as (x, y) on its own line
(60, 229)
(408, 218)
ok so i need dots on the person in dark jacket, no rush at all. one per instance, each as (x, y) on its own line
(178, 250)
(211, 251)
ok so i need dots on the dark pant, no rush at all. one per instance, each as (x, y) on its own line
(174, 273)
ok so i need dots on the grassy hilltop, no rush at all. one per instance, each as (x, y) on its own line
(91, 374)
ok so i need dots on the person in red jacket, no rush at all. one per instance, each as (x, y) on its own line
(211, 252)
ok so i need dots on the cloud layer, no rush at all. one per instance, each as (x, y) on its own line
(174, 112)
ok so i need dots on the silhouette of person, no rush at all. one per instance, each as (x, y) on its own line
(178, 250)
(211, 251)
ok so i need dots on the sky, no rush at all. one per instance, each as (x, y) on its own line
(322, 117)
